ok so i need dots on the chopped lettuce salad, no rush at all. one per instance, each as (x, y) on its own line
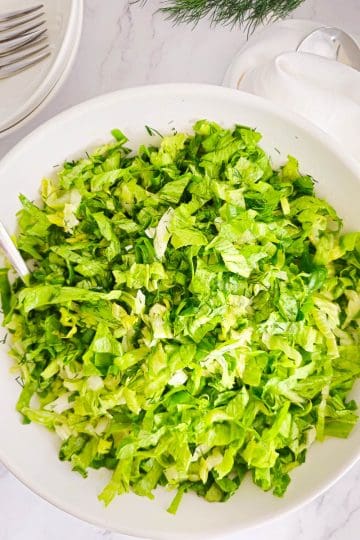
(192, 315)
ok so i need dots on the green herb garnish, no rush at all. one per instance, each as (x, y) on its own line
(248, 13)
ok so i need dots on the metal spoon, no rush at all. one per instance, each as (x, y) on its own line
(332, 43)
(13, 254)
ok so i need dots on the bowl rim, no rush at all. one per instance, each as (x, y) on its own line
(187, 90)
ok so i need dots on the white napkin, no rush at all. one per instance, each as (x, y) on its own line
(325, 91)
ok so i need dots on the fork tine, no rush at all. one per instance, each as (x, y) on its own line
(20, 13)
(17, 56)
(7, 46)
(15, 23)
(13, 69)
(25, 47)
(20, 32)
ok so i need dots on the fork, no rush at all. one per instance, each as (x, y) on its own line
(23, 40)
(13, 254)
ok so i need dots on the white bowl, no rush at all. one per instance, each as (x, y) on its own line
(29, 451)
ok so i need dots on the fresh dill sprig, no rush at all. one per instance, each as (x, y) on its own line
(248, 13)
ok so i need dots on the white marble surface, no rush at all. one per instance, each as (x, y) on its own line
(126, 45)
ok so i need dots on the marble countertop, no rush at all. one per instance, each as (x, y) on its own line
(126, 45)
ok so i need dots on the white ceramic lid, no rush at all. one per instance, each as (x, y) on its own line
(22, 94)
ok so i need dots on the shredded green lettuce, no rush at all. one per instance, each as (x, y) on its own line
(192, 315)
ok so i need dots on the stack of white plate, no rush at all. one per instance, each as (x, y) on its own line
(24, 94)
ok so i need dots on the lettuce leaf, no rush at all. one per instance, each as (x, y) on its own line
(192, 315)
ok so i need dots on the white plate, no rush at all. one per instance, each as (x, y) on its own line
(23, 94)
(29, 451)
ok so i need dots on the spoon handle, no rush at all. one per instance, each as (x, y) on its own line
(332, 43)
(12, 253)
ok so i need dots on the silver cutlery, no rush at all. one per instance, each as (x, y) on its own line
(13, 254)
(333, 43)
(23, 40)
